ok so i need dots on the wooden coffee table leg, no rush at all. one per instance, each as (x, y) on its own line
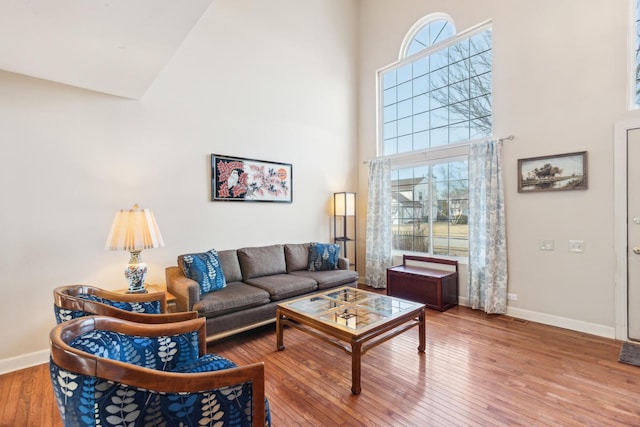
(356, 356)
(422, 332)
(279, 338)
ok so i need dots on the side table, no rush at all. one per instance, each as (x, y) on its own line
(171, 299)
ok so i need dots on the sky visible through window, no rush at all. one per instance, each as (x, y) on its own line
(440, 98)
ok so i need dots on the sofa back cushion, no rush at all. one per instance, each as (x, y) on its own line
(230, 265)
(296, 256)
(262, 261)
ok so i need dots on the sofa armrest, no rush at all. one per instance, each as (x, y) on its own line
(186, 291)
(343, 263)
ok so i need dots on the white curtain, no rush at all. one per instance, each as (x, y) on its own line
(487, 231)
(378, 240)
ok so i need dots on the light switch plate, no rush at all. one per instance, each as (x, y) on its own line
(576, 246)
(546, 245)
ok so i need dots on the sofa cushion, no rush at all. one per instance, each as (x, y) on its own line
(235, 297)
(205, 269)
(330, 278)
(230, 265)
(281, 286)
(262, 261)
(296, 256)
(323, 256)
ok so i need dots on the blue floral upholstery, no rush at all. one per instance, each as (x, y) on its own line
(205, 269)
(149, 307)
(75, 301)
(323, 256)
(98, 400)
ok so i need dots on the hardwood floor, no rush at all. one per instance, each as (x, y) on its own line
(478, 370)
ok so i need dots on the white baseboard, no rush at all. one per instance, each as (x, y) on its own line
(24, 361)
(557, 321)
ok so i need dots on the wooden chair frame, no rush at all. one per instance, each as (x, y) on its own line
(74, 360)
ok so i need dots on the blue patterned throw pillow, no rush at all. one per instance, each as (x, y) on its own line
(205, 269)
(323, 256)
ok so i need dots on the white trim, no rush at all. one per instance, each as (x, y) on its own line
(24, 361)
(420, 23)
(552, 320)
(562, 322)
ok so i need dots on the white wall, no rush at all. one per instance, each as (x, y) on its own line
(269, 80)
(559, 86)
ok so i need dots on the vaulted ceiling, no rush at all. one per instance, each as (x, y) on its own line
(116, 47)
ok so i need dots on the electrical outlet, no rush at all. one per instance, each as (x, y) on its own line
(576, 246)
(546, 245)
(512, 297)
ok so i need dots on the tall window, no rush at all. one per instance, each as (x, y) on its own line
(637, 65)
(433, 101)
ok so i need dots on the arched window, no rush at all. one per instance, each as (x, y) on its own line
(435, 30)
(432, 102)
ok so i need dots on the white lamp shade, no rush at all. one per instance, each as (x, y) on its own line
(344, 204)
(134, 230)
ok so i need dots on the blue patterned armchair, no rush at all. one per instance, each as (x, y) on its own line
(107, 371)
(74, 301)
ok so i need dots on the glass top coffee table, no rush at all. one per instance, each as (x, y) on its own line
(351, 319)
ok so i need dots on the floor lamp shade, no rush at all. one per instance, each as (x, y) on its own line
(134, 230)
(344, 204)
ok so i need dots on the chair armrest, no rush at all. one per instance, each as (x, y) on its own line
(343, 263)
(186, 291)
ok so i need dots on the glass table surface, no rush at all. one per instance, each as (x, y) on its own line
(351, 308)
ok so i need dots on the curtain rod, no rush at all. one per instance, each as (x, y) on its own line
(445, 147)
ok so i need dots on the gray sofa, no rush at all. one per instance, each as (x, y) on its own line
(257, 279)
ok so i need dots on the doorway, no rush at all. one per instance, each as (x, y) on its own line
(627, 229)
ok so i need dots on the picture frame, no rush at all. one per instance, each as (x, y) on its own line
(560, 172)
(238, 179)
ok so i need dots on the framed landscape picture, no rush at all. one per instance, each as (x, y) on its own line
(248, 180)
(553, 173)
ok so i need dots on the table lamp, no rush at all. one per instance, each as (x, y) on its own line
(134, 230)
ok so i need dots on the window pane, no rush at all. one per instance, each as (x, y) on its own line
(420, 85)
(390, 113)
(389, 96)
(420, 122)
(420, 104)
(405, 126)
(390, 146)
(390, 129)
(405, 144)
(389, 79)
(439, 59)
(405, 108)
(405, 90)
(421, 67)
(404, 73)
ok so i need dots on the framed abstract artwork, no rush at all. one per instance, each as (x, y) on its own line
(553, 173)
(249, 180)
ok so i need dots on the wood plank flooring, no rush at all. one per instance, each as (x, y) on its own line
(478, 370)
